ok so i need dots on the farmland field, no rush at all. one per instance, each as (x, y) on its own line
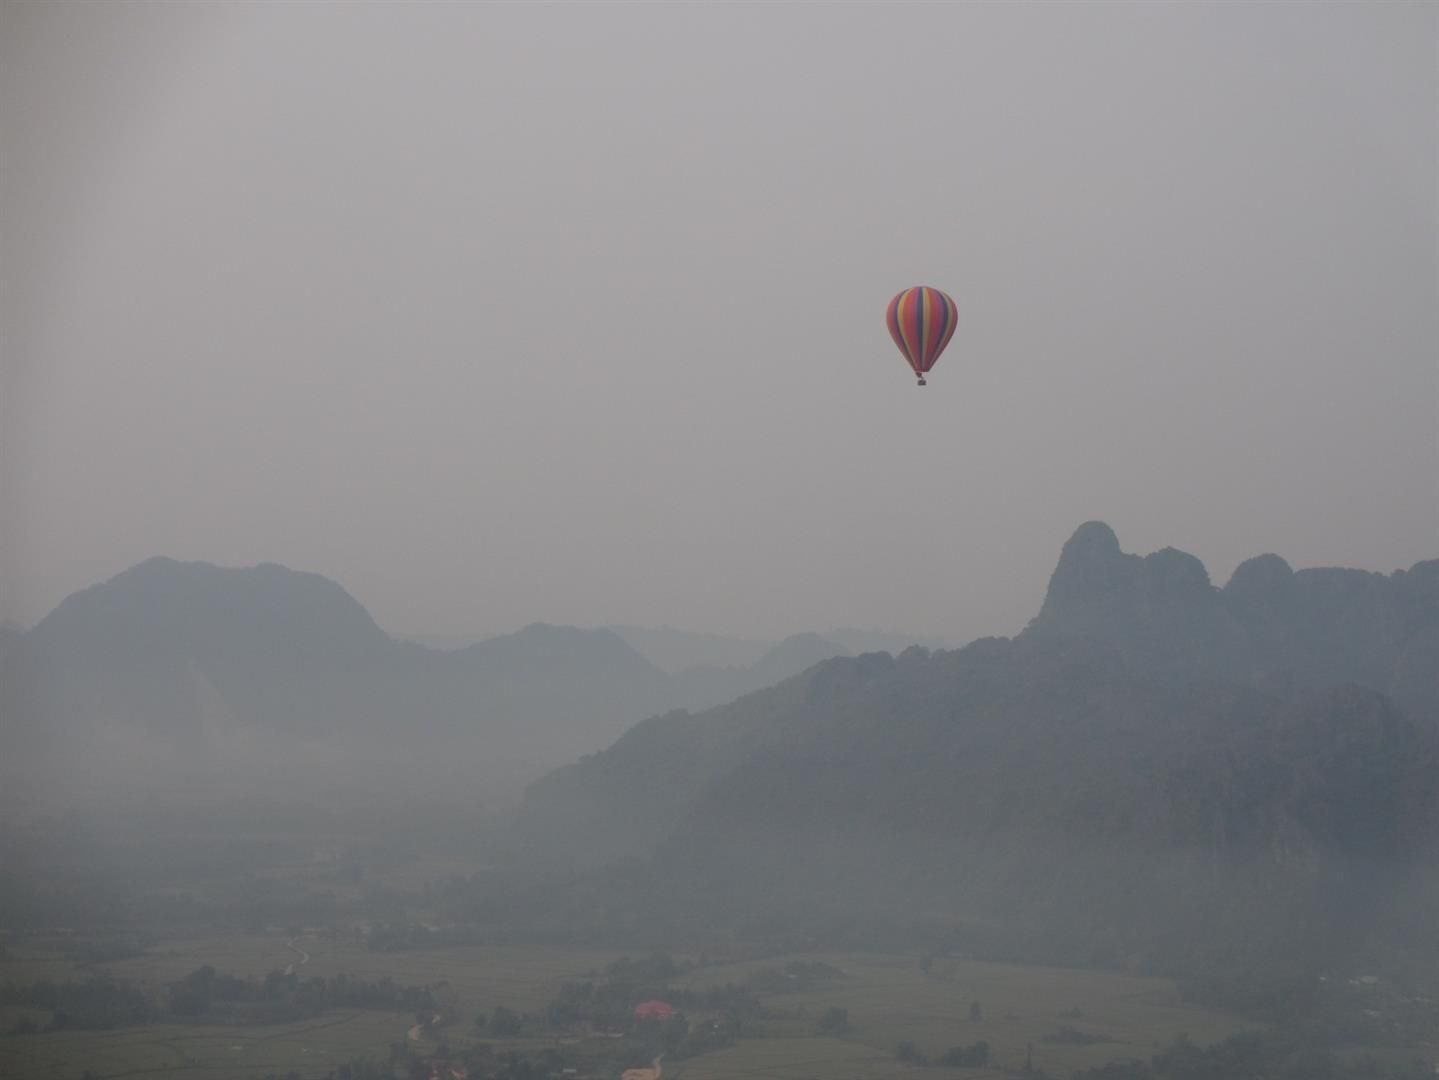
(194, 948)
(889, 999)
(184, 1052)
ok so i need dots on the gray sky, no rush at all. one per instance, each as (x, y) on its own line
(575, 312)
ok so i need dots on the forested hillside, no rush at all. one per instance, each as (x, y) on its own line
(1155, 769)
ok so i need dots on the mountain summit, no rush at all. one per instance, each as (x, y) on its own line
(1270, 626)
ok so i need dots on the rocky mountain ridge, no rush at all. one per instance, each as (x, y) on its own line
(1154, 765)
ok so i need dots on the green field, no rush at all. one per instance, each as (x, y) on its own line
(889, 999)
(518, 977)
(183, 1052)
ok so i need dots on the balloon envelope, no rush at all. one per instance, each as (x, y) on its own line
(921, 321)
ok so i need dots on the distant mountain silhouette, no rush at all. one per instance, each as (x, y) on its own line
(675, 650)
(1154, 767)
(19, 717)
(705, 687)
(1270, 626)
(679, 650)
(857, 640)
(185, 664)
(173, 666)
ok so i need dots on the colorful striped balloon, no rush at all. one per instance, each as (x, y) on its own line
(921, 321)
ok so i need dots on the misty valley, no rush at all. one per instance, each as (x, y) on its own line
(626, 540)
(1170, 831)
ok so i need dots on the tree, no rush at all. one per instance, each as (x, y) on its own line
(504, 1021)
(835, 1021)
(908, 1053)
(24, 1026)
(965, 1057)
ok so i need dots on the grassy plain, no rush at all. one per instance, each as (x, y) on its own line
(891, 1000)
(193, 1052)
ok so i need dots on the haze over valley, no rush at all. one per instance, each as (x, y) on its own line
(175, 671)
(1228, 786)
(719, 541)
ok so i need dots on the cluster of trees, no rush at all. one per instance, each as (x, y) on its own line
(607, 1002)
(403, 1063)
(1320, 1011)
(104, 1002)
(605, 1005)
(503, 1022)
(1254, 1055)
(1068, 1036)
(610, 1006)
(279, 996)
(97, 1003)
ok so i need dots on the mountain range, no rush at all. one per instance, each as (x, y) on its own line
(184, 669)
(1157, 770)
(677, 650)
(1155, 767)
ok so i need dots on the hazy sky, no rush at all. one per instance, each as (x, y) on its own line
(574, 312)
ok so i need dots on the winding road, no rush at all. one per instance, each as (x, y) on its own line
(301, 953)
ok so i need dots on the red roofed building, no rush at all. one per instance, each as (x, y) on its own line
(654, 1010)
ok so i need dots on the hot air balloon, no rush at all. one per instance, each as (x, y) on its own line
(921, 321)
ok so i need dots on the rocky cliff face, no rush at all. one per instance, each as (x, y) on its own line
(1270, 627)
(1154, 766)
